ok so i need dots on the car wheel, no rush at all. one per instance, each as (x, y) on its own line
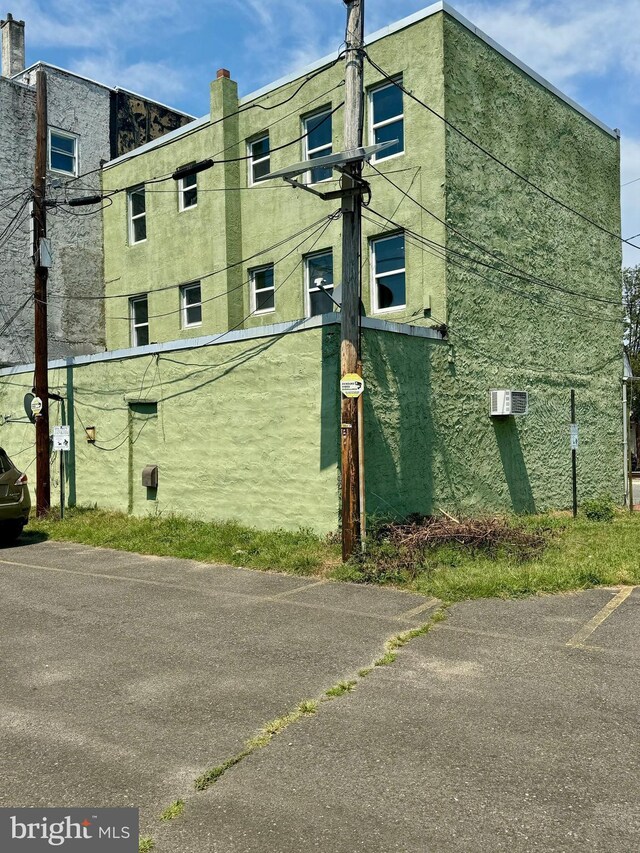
(10, 531)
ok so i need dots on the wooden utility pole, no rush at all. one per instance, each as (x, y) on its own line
(351, 249)
(43, 485)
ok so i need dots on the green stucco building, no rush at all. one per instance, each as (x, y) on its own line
(490, 261)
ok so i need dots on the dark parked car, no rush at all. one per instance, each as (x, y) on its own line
(15, 501)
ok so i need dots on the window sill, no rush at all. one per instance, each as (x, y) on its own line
(62, 172)
(185, 209)
(393, 310)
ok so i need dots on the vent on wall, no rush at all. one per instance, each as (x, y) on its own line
(506, 402)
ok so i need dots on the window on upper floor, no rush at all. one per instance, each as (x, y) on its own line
(63, 152)
(318, 143)
(187, 192)
(139, 314)
(386, 118)
(263, 292)
(388, 273)
(259, 158)
(191, 304)
(137, 211)
(317, 266)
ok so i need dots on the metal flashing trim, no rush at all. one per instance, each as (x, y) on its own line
(270, 331)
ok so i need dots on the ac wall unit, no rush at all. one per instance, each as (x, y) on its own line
(507, 402)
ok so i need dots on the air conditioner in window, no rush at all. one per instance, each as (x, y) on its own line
(507, 402)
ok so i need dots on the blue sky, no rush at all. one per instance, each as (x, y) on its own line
(170, 49)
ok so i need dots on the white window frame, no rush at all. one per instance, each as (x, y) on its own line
(327, 148)
(254, 293)
(374, 126)
(182, 189)
(184, 306)
(131, 218)
(375, 277)
(75, 156)
(135, 326)
(309, 286)
(254, 162)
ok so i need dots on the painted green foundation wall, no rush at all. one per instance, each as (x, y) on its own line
(243, 431)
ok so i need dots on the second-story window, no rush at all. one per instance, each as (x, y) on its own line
(386, 115)
(259, 158)
(388, 273)
(319, 269)
(139, 313)
(263, 292)
(63, 152)
(318, 143)
(191, 304)
(137, 215)
(187, 192)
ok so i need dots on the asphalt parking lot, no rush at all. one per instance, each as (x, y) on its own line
(511, 726)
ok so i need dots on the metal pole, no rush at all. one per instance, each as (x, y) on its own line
(574, 478)
(43, 473)
(351, 249)
(627, 428)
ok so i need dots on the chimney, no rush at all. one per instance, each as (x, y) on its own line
(12, 46)
(222, 72)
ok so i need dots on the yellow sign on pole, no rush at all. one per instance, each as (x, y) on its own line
(352, 385)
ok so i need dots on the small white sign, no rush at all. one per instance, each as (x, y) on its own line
(61, 438)
(36, 405)
(574, 436)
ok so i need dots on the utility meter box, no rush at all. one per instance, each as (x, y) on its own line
(150, 476)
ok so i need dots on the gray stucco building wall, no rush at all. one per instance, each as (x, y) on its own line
(98, 116)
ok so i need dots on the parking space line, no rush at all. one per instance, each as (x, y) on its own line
(578, 640)
(295, 590)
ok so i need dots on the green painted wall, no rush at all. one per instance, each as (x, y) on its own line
(227, 227)
(510, 333)
(243, 431)
(250, 430)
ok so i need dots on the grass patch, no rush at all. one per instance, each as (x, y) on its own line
(146, 844)
(577, 554)
(173, 811)
(340, 689)
(298, 552)
(507, 557)
(386, 659)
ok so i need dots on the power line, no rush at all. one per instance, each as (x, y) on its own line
(497, 159)
(244, 109)
(519, 273)
(232, 289)
(206, 275)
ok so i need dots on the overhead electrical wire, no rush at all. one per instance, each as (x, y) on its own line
(497, 160)
(271, 248)
(518, 272)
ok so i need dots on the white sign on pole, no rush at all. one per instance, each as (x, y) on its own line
(36, 405)
(574, 436)
(61, 438)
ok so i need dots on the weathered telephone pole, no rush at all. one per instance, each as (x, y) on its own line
(351, 272)
(41, 382)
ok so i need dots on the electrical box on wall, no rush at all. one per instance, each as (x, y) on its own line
(506, 402)
(150, 476)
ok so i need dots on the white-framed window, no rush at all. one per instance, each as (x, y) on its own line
(318, 142)
(139, 313)
(319, 265)
(187, 192)
(263, 292)
(259, 158)
(191, 305)
(386, 118)
(63, 152)
(388, 273)
(137, 210)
